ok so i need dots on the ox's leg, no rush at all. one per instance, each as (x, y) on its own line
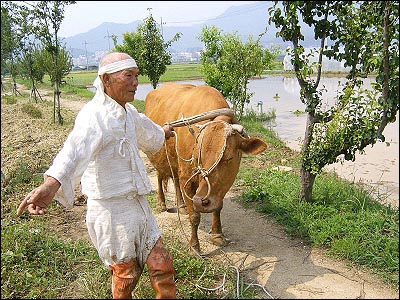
(194, 222)
(194, 216)
(160, 194)
(181, 205)
(216, 235)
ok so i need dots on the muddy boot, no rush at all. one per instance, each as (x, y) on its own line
(124, 279)
(161, 271)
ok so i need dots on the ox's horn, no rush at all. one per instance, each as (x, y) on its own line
(239, 128)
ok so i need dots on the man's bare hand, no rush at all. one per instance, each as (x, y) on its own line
(168, 130)
(39, 198)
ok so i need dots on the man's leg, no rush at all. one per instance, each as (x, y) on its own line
(124, 279)
(161, 271)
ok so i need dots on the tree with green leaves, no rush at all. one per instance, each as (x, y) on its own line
(10, 41)
(48, 16)
(59, 71)
(147, 46)
(31, 65)
(30, 60)
(365, 36)
(6, 40)
(227, 64)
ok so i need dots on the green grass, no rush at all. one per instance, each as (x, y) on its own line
(343, 218)
(32, 110)
(8, 99)
(175, 72)
(34, 263)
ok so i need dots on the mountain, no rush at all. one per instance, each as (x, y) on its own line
(247, 19)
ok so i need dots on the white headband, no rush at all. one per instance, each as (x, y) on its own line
(117, 66)
(111, 68)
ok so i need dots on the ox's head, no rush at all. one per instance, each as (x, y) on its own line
(216, 158)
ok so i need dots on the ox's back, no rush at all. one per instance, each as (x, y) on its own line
(167, 103)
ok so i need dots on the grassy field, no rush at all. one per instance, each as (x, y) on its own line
(343, 219)
(175, 72)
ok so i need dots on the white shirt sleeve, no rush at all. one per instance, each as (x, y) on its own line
(150, 136)
(82, 144)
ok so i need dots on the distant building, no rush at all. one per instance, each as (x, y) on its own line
(185, 57)
(84, 68)
(98, 55)
(95, 59)
(78, 68)
(93, 67)
(327, 64)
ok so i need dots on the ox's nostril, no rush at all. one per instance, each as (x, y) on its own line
(204, 202)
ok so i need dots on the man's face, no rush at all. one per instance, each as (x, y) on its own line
(122, 85)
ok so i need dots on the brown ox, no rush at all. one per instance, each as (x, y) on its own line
(203, 159)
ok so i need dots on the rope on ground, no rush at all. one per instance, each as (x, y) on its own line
(208, 289)
(237, 283)
(264, 289)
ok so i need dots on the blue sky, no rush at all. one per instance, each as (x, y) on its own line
(86, 15)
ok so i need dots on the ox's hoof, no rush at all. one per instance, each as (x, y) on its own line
(195, 248)
(183, 210)
(161, 208)
(218, 239)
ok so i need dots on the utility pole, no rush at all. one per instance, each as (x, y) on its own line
(87, 61)
(162, 32)
(108, 36)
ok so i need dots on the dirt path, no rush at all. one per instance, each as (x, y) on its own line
(264, 254)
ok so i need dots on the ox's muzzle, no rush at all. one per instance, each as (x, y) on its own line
(206, 204)
(200, 204)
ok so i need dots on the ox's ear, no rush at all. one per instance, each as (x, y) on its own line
(253, 146)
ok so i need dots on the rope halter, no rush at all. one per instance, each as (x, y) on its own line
(199, 169)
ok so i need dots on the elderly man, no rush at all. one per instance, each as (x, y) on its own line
(102, 152)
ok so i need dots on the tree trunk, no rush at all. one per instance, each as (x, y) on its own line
(57, 95)
(35, 93)
(54, 106)
(306, 177)
(60, 118)
(15, 91)
(307, 182)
